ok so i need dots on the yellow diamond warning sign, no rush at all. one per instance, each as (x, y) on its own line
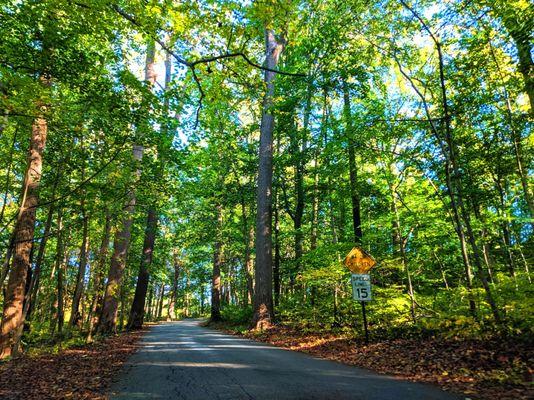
(358, 261)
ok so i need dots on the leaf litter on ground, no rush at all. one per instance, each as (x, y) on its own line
(81, 372)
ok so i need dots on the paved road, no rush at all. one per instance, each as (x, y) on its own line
(182, 360)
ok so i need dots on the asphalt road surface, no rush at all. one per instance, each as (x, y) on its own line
(182, 360)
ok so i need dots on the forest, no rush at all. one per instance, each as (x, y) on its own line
(161, 160)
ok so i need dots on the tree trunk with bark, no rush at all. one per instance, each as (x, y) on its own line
(108, 318)
(160, 302)
(248, 238)
(276, 266)
(98, 278)
(137, 310)
(36, 276)
(216, 275)
(174, 294)
(75, 317)
(263, 295)
(12, 316)
(138, 306)
(353, 177)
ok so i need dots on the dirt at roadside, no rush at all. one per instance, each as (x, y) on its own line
(85, 372)
(480, 369)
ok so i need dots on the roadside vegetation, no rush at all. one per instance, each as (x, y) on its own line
(162, 160)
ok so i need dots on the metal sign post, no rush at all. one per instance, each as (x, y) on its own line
(360, 263)
(361, 291)
(365, 322)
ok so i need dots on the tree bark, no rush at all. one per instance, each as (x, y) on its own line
(75, 317)
(33, 295)
(56, 302)
(263, 293)
(174, 294)
(160, 302)
(138, 306)
(315, 203)
(149, 310)
(216, 274)
(137, 310)
(99, 277)
(108, 319)
(187, 303)
(276, 266)
(248, 238)
(60, 293)
(12, 318)
(34, 284)
(299, 165)
(353, 177)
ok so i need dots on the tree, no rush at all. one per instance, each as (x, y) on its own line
(263, 296)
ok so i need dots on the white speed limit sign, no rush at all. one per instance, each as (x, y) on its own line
(361, 287)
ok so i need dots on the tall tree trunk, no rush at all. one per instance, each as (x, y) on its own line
(135, 320)
(138, 306)
(12, 318)
(331, 204)
(33, 295)
(149, 312)
(248, 237)
(98, 272)
(202, 299)
(110, 304)
(75, 317)
(315, 202)
(36, 276)
(263, 293)
(60, 293)
(300, 153)
(160, 301)
(187, 303)
(354, 196)
(174, 295)
(276, 266)
(216, 275)
(249, 265)
(56, 273)
(297, 221)
(108, 319)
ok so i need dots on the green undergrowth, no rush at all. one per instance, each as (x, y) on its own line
(441, 312)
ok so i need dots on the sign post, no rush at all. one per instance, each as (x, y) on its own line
(360, 263)
(361, 291)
